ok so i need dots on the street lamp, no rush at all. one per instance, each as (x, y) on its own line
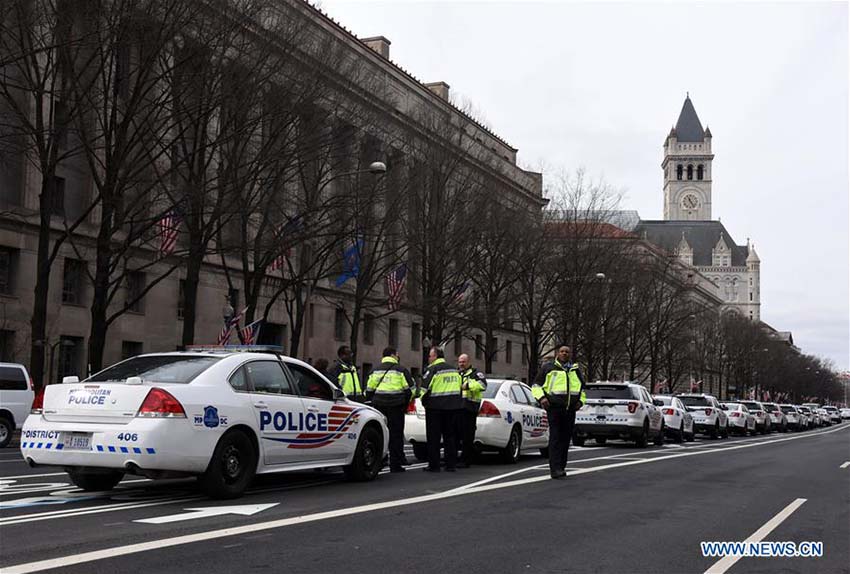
(600, 276)
(377, 167)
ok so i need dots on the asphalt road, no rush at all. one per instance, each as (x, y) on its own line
(621, 510)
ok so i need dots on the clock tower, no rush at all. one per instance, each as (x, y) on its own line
(687, 168)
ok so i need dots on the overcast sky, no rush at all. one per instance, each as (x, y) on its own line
(598, 85)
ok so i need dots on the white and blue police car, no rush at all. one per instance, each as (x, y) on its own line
(223, 414)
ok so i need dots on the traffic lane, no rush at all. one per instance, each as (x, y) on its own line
(824, 517)
(641, 518)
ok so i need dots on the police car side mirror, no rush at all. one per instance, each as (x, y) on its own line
(71, 379)
(338, 394)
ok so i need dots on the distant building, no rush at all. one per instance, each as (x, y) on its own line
(688, 228)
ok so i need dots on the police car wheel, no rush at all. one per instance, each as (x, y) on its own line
(601, 441)
(642, 438)
(578, 440)
(231, 467)
(6, 430)
(659, 438)
(367, 458)
(96, 481)
(510, 453)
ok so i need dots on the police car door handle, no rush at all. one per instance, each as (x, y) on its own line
(261, 405)
(313, 408)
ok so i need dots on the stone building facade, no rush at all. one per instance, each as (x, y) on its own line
(155, 324)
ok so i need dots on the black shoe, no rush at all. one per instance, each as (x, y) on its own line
(463, 465)
(558, 475)
(429, 469)
(397, 469)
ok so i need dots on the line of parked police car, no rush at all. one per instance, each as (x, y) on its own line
(225, 414)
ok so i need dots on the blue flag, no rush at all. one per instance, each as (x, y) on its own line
(350, 262)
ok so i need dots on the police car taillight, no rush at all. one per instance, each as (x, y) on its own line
(38, 402)
(488, 409)
(708, 412)
(161, 403)
(669, 412)
(632, 406)
(411, 408)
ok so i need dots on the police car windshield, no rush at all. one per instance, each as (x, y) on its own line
(695, 401)
(788, 409)
(665, 400)
(770, 407)
(752, 406)
(616, 392)
(160, 369)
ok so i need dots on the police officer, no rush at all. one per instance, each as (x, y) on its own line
(559, 386)
(443, 401)
(472, 384)
(344, 375)
(390, 388)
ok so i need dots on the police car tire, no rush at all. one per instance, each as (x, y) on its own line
(642, 438)
(715, 432)
(725, 433)
(510, 454)
(6, 431)
(601, 441)
(369, 445)
(691, 436)
(420, 451)
(659, 438)
(214, 482)
(578, 441)
(680, 434)
(95, 481)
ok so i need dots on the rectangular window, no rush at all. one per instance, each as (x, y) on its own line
(72, 282)
(60, 123)
(509, 351)
(524, 357)
(392, 333)
(369, 330)
(130, 349)
(7, 262)
(7, 346)
(70, 357)
(181, 299)
(479, 347)
(13, 379)
(57, 199)
(494, 347)
(458, 345)
(415, 336)
(751, 296)
(135, 286)
(339, 324)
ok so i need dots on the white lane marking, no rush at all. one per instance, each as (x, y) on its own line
(96, 510)
(95, 555)
(728, 561)
(845, 465)
(36, 475)
(206, 512)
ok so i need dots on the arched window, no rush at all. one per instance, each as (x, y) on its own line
(690, 172)
(679, 172)
(699, 171)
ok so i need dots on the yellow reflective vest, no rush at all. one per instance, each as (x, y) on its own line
(561, 385)
(442, 384)
(477, 384)
(389, 385)
(349, 382)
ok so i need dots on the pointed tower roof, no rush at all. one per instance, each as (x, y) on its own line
(683, 244)
(688, 127)
(753, 256)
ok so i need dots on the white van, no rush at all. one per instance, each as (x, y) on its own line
(16, 395)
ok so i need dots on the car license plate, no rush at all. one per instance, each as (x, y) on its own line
(77, 441)
(601, 418)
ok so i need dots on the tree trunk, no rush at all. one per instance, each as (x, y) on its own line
(100, 300)
(190, 295)
(38, 322)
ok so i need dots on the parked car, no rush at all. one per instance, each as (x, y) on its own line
(16, 395)
(709, 416)
(834, 414)
(678, 421)
(777, 417)
(758, 411)
(619, 410)
(845, 414)
(825, 418)
(808, 417)
(793, 416)
(740, 418)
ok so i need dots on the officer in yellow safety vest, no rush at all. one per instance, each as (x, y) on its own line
(390, 389)
(473, 385)
(559, 387)
(443, 401)
(344, 375)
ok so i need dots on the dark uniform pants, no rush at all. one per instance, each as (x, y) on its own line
(466, 434)
(395, 425)
(439, 425)
(561, 422)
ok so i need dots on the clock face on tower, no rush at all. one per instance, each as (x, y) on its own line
(690, 201)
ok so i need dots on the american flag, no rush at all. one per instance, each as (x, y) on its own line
(460, 292)
(229, 325)
(169, 229)
(250, 333)
(292, 226)
(395, 286)
(279, 261)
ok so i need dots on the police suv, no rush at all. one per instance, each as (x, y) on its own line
(619, 410)
(222, 414)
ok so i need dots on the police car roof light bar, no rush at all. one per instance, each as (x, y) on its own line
(276, 349)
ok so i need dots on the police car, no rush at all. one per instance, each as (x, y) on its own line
(222, 414)
(509, 421)
(619, 410)
(709, 416)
